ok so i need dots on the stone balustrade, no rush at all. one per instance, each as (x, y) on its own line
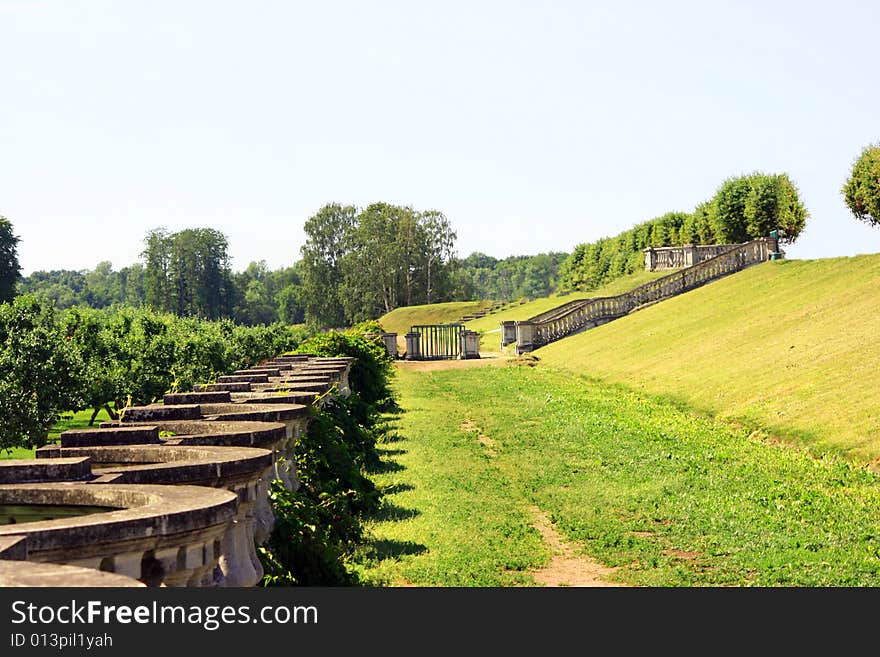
(242, 470)
(676, 257)
(184, 484)
(160, 535)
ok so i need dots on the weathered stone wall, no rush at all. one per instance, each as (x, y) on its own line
(184, 484)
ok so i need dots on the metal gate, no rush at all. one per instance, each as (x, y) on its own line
(437, 341)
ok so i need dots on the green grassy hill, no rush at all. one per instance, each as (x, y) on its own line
(399, 320)
(790, 346)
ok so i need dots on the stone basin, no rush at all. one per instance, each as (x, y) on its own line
(160, 535)
(19, 514)
(157, 412)
(243, 470)
(207, 432)
(295, 358)
(292, 416)
(204, 397)
(304, 378)
(272, 436)
(293, 386)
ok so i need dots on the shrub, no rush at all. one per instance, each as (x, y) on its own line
(373, 368)
(862, 189)
(319, 524)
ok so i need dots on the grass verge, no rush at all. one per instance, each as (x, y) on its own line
(789, 345)
(663, 496)
(78, 420)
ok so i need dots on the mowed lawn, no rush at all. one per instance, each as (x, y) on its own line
(640, 484)
(790, 346)
(401, 319)
(78, 420)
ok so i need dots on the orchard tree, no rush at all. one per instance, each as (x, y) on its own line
(42, 374)
(862, 189)
(10, 271)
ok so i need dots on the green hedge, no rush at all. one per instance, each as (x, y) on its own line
(743, 208)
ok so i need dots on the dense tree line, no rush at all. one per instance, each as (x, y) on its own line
(480, 276)
(185, 273)
(743, 208)
(355, 265)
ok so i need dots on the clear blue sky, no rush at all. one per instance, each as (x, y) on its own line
(534, 126)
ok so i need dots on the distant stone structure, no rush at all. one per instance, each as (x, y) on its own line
(441, 342)
(582, 314)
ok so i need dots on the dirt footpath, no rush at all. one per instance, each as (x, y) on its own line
(567, 567)
(428, 365)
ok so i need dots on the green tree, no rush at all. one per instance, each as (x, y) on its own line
(773, 204)
(42, 374)
(156, 255)
(290, 310)
(373, 265)
(188, 272)
(439, 253)
(328, 237)
(10, 270)
(727, 212)
(862, 189)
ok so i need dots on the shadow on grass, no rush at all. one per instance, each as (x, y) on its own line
(384, 467)
(389, 512)
(397, 488)
(381, 549)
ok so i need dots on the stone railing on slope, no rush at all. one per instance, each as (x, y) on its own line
(676, 257)
(577, 316)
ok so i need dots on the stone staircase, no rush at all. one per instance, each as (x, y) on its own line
(582, 314)
(494, 308)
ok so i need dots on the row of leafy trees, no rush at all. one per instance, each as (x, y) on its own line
(480, 276)
(356, 265)
(53, 362)
(743, 208)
